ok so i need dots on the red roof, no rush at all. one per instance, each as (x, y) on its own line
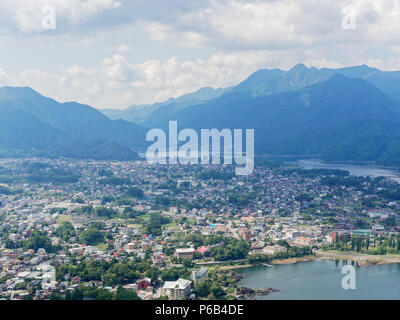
(203, 249)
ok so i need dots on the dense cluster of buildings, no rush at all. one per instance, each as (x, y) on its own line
(262, 209)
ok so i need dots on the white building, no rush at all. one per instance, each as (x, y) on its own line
(177, 290)
(199, 275)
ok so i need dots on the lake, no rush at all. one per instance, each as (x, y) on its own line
(354, 169)
(321, 279)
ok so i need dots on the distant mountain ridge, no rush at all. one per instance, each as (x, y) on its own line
(144, 114)
(339, 119)
(263, 82)
(334, 114)
(40, 125)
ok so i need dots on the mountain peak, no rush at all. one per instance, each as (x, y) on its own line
(364, 66)
(9, 92)
(298, 67)
(17, 89)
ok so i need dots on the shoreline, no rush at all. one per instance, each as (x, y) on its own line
(294, 260)
(239, 266)
(348, 162)
(363, 260)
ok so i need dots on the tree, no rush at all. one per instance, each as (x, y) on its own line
(130, 213)
(203, 289)
(68, 295)
(39, 240)
(65, 231)
(77, 294)
(92, 236)
(163, 201)
(358, 244)
(78, 200)
(107, 199)
(230, 249)
(216, 290)
(155, 224)
(124, 294)
(105, 212)
(391, 221)
(135, 193)
(86, 209)
(5, 191)
(258, 258)
(188, 263)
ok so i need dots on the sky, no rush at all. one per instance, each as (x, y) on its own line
(116, 53)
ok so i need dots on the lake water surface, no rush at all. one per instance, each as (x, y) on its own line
(321, 279)
(354, 169)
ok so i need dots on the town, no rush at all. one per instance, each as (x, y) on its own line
(103, 230)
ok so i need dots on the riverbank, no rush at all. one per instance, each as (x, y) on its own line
(239, 266)
(354, 169)
(294, 260)
(321, 279)
(363, 260)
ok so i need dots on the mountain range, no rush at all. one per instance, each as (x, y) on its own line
(349, 114)
(261, 83)
(148, 115)
(339, 119)
(33, 124)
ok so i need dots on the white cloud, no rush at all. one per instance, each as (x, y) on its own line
(388, 64)
(118, 83)
(124, 48)
(162, 32)
(226, 41)
(267, 25)
(28, 14)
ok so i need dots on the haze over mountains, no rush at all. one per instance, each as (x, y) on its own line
(334, 114)
(339, 119)
(36, 125)
(144, 114)
(261, 83)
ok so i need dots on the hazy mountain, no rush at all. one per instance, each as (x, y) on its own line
(147, 115)
(30, 121)
(136, 113)
(327, 113)
(261, 83)
(341, 118)
(265, 82)
(96, 149)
